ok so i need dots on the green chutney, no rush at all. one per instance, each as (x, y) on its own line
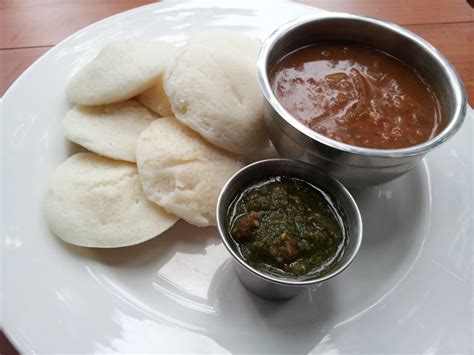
(284, 226)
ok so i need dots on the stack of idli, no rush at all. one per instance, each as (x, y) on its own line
(166, 127)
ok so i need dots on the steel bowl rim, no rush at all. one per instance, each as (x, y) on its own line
(455, 82)
(274, 279)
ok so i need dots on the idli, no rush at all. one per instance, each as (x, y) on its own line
(121, 70)
(109, 130)
(248, 47)
(213, 90)
(182, 172)
(98, 202)
(155, 99)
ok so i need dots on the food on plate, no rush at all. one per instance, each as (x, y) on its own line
(357, 95)
(210, 84)
(98, 202)
(213, 89)
(285, 226)
(109, 130)
(121, 70)
(156, 100)
(182, 172)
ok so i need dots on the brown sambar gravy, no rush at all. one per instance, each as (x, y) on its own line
(357, 95)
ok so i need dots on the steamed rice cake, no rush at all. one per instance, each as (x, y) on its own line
(212, 88)
(182, 172)
(98, 202)
(155, 99)
(121, 70)
(109, 130)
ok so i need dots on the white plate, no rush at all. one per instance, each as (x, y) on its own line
(409, 289)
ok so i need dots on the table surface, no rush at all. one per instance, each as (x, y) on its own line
(28, 28)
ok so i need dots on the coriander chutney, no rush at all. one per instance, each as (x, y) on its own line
(285, 226)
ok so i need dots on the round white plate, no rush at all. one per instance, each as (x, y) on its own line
(408, 291)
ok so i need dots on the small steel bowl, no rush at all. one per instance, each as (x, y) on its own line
(274, 287)
(352, 165)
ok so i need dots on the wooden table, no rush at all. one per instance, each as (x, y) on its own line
(30, 27)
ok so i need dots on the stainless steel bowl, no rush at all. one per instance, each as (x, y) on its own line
(356, 166)
(271, 286)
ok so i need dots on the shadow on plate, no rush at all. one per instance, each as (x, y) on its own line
(291, 326)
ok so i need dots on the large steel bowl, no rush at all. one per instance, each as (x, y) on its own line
(352, 165)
